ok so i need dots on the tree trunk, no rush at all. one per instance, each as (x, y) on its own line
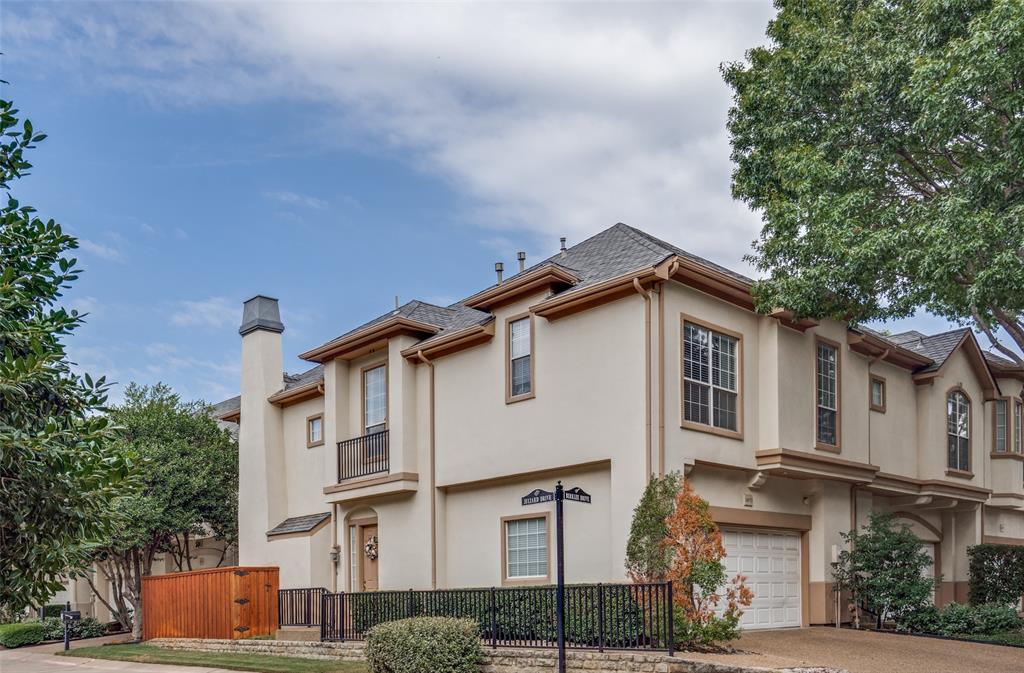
(188, 552)
(136, 596)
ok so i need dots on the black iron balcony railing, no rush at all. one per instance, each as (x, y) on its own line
(364, 455)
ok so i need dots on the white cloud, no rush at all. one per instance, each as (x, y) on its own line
(549, 119)
(215, 312)
(293, 198)
(100, 250)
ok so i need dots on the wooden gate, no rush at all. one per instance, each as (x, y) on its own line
(235, 602)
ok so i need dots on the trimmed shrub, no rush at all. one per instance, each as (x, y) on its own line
(25, 633)
(90, 627)
(424, 645)
(996, 574)
(957, 618)
(53, 628)
(926, 619)
(87, 627)
(989, 619)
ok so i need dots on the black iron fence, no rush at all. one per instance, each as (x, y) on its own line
(597, 616)
(362, 456)
(299, 607)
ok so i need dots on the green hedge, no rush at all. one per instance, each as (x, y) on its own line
(996, 574)
(87, 627)
(25, 633)
(424, 645)
(959, 619)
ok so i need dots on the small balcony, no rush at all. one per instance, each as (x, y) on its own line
(364, 456)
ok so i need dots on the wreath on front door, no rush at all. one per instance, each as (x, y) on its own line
(370, 548)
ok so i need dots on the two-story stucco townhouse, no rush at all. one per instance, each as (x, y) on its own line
(398, 461)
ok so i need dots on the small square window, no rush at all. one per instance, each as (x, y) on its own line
(878, 394)
(314, 431)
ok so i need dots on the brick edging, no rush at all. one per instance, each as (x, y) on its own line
(501, 660)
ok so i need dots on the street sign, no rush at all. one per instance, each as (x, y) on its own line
(537, 495)
(577, 494)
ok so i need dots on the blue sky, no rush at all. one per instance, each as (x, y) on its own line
(335, 156)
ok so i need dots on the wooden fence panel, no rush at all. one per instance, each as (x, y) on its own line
(235, 602)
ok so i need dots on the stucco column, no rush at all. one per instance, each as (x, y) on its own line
(830, 516)
(336, 415)
(261, 466)
(401, 406)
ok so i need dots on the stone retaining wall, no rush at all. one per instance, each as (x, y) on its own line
(502, 660)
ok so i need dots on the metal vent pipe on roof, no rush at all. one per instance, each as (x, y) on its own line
(562, 241)
(522, 260)
(498, 268)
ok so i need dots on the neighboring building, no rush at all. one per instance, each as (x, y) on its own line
(415, 435)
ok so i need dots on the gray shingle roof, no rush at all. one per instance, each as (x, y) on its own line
(308, 376)
(938, 347)
(299, 524)
(225, 407)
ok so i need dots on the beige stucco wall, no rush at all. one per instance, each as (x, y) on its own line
(304, 467)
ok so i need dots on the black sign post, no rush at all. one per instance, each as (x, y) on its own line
(68, 616)
(560, 495)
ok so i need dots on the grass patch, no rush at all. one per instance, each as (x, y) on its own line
(261, 663)
(1005, 638)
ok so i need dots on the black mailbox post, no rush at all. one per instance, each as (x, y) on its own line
(68, 617)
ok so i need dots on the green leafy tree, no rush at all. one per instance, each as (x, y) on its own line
(648, 558)
(59, 470)
(883, 569)
(883, 143)
(189, 487)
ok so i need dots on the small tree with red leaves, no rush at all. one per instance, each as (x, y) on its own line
(699, 576)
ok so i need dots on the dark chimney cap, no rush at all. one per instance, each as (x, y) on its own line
(261, 313)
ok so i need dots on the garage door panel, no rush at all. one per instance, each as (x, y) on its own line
(771, 562)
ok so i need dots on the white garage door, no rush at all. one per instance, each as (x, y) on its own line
(771, 562)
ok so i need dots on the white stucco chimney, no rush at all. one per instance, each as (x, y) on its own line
(261, 487)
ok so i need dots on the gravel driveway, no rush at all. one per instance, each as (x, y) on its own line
(866, 652)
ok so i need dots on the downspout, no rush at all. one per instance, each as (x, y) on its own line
(661, 379)
(334, 547)
(647, 376)
(433, 494)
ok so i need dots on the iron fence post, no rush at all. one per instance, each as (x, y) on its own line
(671, 622)
(600, 617)
(494, 620)
(408, 605)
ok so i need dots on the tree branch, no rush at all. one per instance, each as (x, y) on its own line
(998, 345)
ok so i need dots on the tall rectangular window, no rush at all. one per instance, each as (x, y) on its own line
(827, 377)
(520, 355)
(1001, 435)
(1018, 419)
(526, 548)
(710, 377)
(877, 402)
(314, 431)
(958, 431)
(375, 399)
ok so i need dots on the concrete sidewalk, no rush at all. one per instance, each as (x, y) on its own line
(31, 660)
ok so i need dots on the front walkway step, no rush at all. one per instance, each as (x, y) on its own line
(302, 633)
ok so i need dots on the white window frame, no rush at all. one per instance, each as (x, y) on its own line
(511, 357)
(1001, 426)
(381, 424)
(958, 426)
(316, 420)
(544, 551)
(828, 400)
(702, 374)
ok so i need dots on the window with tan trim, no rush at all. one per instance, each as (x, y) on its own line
(827, 383)
(876, 393)
(711, 378)
(519, 370)
(958, 431)
(1018, 420)
(526, 549)
(1001, 426)
(375, 399)
(314, 431)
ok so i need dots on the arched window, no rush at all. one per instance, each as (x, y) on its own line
(958, 431)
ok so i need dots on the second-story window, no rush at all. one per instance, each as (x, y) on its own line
(1018, 420)
(958, 431)
(520, 359)
(375, 399)
(827, 380)
(314, 431)
(710, 377)
(878, 394)
(1001, 419)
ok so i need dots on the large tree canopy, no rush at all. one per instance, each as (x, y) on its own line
(59, 471)
(188, 472)
(883, 143)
